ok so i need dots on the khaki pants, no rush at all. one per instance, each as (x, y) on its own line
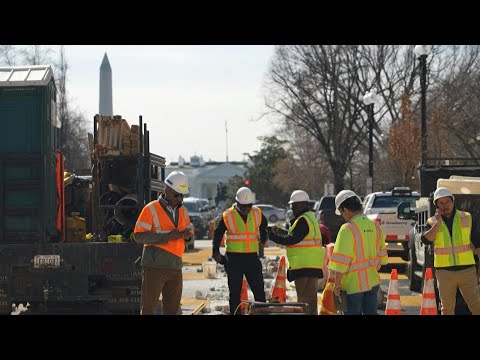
(169, 283)
(307, 293)
(467, 281)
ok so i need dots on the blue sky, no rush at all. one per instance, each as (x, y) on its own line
(184, 93)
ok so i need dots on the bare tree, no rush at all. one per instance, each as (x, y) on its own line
(8, 54)
(37, 54)
(73, 139)
(304, 167)
(454, 105)
(404, 145)
(319, 88)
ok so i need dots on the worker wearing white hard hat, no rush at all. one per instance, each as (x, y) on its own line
(358, 253)
(163, 226)
(305, 252)
(452, 232)
(245, 228)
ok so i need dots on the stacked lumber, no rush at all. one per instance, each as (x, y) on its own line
(117, 137)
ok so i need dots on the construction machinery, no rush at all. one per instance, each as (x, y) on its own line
(47, 260)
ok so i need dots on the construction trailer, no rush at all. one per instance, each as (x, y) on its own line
(40, 264)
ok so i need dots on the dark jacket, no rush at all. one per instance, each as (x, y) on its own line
(298, 234)
(221, 228)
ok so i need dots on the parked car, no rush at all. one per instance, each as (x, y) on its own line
(272, 213)
(381, 207)
(198, 216)
(314, 206)
(208, 208)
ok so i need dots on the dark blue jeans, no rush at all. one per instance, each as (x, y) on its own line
(364, 303)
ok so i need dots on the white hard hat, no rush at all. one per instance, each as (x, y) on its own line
(244, 196)
(177, 181)
(442, 192)
(298, 195)
(342, 196)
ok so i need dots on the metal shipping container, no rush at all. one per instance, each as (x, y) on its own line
(27, 154)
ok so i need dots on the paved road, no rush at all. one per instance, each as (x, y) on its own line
(195, 283)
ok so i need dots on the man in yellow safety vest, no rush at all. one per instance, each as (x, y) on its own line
(358, 254)
(452, 234)
(305, 252)
(245, 228)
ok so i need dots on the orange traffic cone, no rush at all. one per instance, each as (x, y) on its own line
(429, 305)
(393, 297)
(279, 291)
(244, 296)
(327, 303)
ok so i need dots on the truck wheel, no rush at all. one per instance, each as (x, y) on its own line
(414, 283)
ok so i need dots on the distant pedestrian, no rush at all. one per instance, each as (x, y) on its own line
(244, 227)
(326, 236)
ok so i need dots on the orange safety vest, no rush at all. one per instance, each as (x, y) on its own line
(154, 218)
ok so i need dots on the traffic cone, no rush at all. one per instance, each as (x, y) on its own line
(244, 296)
(327, 303)
(279, 291)
(393, 297)
(429, 305)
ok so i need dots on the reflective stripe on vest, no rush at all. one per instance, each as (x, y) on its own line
(362, 273)
(308, 253)
(241, 236)
(154, 218)
(456, 252)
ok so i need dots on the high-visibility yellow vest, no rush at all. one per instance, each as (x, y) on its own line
(358, 253)
(309, 252)
(458, 251)
(241, 236)
(154, 218)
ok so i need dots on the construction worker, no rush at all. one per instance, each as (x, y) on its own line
(326, 236)
(358, 254)
(452, 232)
(243, 224)
(305, 252)
(163, 226)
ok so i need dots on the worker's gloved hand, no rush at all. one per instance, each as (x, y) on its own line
(175, 234)
(261, 249)
(269, 231)
(337, 289)
(217, 256)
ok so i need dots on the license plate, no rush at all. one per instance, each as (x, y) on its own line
(46, 261)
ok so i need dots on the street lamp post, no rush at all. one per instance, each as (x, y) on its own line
(421, 52)
(369, 100)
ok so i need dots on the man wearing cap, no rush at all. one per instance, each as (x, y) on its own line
(358, 254)
(163, 226)
(452, 233)
(245, 228)
(305, 252)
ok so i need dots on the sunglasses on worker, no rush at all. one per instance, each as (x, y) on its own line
(174, 193)
(245, 206)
